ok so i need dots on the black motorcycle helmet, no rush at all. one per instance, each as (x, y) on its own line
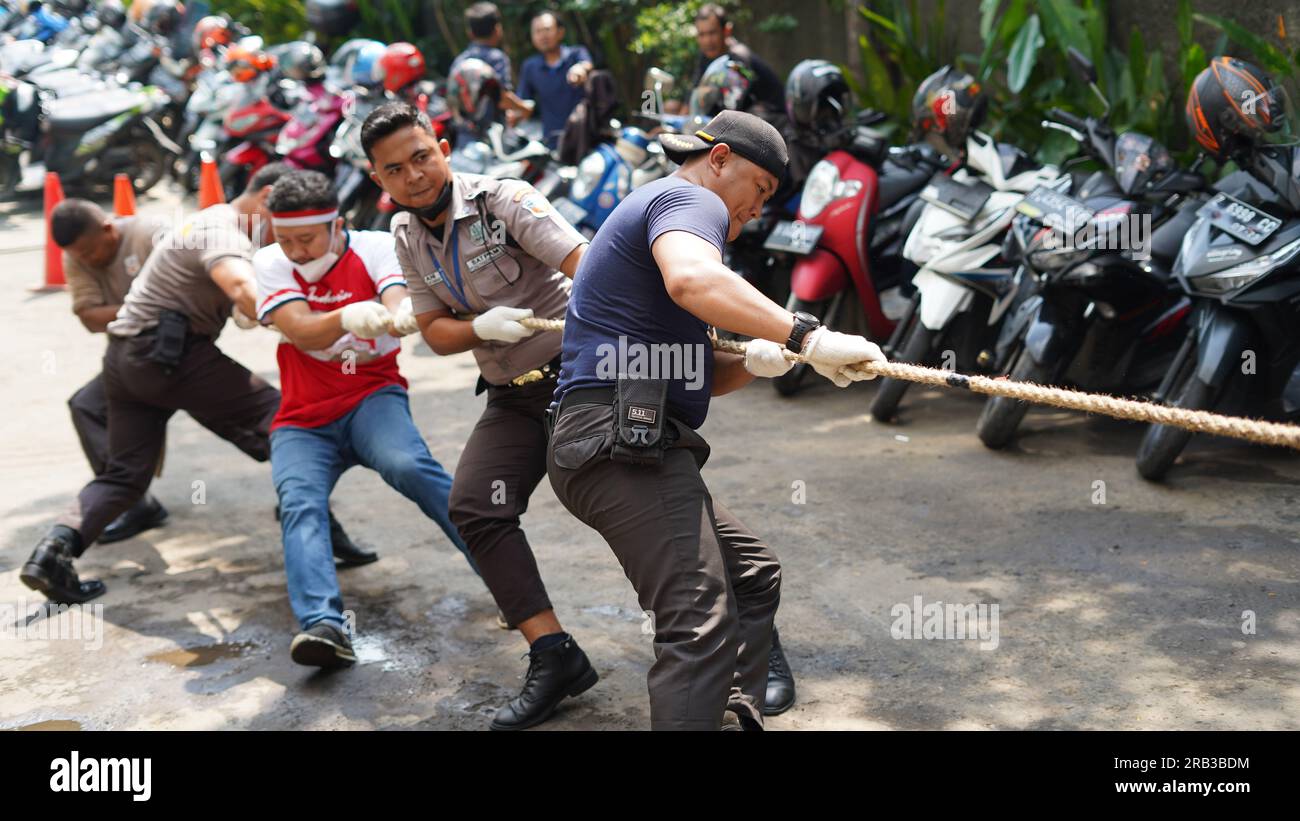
(332, 18)
(816, 96)
(1233, 106)
(725, 85)
(947, 107)
(300, 61)
(163, 17)
(112, 14)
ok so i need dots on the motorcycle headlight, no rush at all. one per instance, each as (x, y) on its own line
(819, 189)
(590, 170)
(1237, 276)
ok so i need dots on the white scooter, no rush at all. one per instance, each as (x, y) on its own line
(962, 290)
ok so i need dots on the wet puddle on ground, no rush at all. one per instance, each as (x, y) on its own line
(202, 655)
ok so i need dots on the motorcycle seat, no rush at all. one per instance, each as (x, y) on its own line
(86, 111)
(897, 181)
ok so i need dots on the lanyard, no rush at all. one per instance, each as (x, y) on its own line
(458, 288)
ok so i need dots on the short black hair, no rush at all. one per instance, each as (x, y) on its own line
(552, 13)
(389, 118)
(300, 190)
(482, 19)
(268, 174)
(712, 10)
(72, 218)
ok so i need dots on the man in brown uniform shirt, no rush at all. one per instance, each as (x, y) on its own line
(102, 254)
(479, 254)
(162, 358)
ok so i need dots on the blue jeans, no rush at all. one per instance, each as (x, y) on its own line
(307, 462)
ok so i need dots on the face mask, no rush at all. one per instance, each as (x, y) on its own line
(315, 269)
(431, 212)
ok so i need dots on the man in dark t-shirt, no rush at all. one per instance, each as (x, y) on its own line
(637, 370)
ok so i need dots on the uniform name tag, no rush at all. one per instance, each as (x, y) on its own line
(484, 258)
(432, 278)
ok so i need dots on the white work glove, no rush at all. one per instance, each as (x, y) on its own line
(242, 322)
(404, 320)
(763, 357)
(366, 320)
(832, 354)
(501, 324)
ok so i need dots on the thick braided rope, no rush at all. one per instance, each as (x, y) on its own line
(1253, 430)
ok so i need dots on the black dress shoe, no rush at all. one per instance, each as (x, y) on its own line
(346, 553)
(143, 515)
(49, 570)
(780, 681)
(322, 645)
(558, 671)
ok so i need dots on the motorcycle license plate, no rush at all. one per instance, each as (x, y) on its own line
(793, 237)
(1054, 209)
(965, 199)
(570, 210)
(1242, 221)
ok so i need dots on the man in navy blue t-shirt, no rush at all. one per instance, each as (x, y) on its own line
(628, 464)
(483, 21)
(553, 78)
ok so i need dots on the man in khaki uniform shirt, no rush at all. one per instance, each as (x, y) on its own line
(102, 255)
(162, 357)
(479, 254)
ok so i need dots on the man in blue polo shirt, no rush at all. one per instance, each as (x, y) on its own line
(553, 78)
(636, 373)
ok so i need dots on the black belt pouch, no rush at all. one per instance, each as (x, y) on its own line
(169, 339)
(640, 414)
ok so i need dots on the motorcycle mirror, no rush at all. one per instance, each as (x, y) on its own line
(1087, 72)
(658, 79)
(1082, 66)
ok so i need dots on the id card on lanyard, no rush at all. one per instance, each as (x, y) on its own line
(457, 288)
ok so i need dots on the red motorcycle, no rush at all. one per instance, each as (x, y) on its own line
(254, 124)
(855, 213)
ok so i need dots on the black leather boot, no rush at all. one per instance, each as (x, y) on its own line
(143, 515)
(49, 569)
(558, 671)
(780, 681)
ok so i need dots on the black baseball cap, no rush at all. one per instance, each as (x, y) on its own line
(750, 136)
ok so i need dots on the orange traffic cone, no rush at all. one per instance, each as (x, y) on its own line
(123, 196)
(210, 192)
(54, 279)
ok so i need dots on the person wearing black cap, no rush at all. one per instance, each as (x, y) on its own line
(636, 374)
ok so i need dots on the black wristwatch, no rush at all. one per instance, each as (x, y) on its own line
(804, 324)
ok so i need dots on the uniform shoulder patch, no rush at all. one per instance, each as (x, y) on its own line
(536, 205)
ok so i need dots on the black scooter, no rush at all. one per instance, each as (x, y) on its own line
(1096, 306)
(1240, 264)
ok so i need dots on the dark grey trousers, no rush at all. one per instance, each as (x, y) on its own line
(711, 585)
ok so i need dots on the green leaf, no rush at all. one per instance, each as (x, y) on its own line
(1024, 51)
(883, 22)
(1183, 23)
(988, 15)
(1271, 56)
(879, 86)
(1137, 58)
(1064, 23)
